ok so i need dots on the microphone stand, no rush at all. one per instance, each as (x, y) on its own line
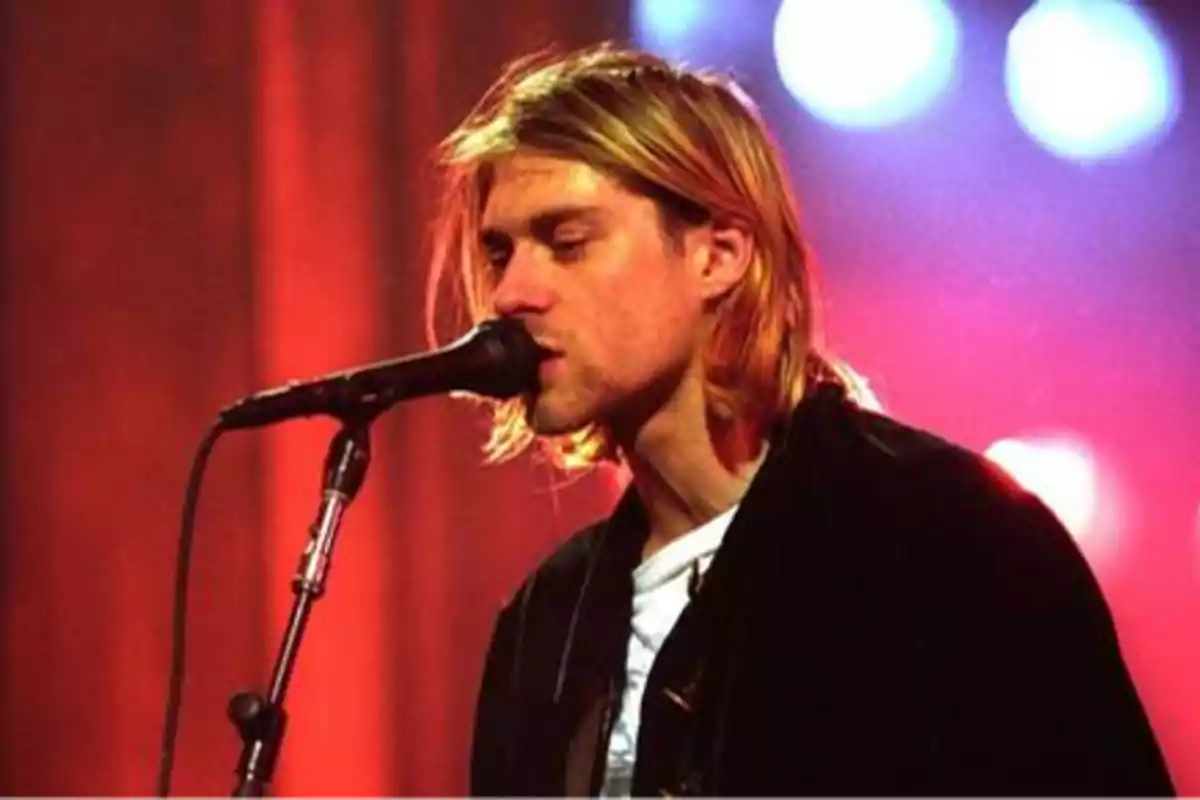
(261, 721)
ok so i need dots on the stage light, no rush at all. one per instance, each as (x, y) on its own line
(1060, 471)
(671, 27)
(714, 34)
(1091, 79)
(865, 63)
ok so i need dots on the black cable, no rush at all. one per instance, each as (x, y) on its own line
(179, 616)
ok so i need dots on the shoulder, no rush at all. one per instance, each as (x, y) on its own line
(852, 440)
(954, 507)
(1007, 618)
(948, 478)
(609, 546)
(875, 450)
(968, 526)
(559, 574)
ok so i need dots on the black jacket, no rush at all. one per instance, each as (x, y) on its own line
(887, 615)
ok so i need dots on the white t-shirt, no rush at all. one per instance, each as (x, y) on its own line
(660, 592)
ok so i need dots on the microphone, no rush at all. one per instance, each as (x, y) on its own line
(498, 358)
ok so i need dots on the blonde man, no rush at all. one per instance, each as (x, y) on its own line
(795, 595)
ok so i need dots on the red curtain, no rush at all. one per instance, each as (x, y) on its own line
(201, 200)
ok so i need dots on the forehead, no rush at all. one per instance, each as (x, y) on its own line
(523, 185)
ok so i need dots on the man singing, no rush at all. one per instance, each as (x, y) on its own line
(795, 595)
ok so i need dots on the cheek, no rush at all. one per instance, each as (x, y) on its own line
(645, 331)
(637, 314)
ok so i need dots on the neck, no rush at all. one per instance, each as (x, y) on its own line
(688, 468)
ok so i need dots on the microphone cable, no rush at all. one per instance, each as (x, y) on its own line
(179, 613)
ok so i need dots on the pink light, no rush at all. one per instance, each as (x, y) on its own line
(1197, 536)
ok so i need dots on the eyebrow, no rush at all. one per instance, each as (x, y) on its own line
(543, 223)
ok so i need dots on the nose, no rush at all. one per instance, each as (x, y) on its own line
(523, 288)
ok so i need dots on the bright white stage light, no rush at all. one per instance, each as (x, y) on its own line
(1090, 79)
(865, 63)
(668, 26)
(1059, 471)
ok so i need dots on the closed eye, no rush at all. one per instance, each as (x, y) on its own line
(568, 249)
(497, 249)
(498, 259)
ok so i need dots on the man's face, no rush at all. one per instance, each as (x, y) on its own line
(586, 264)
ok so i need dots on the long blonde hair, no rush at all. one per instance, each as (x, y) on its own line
(670, 133)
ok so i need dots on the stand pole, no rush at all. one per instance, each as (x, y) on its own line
(261, 721)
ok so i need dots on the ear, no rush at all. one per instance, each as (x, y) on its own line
(723, 259)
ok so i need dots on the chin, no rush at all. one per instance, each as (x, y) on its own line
(554, 416)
